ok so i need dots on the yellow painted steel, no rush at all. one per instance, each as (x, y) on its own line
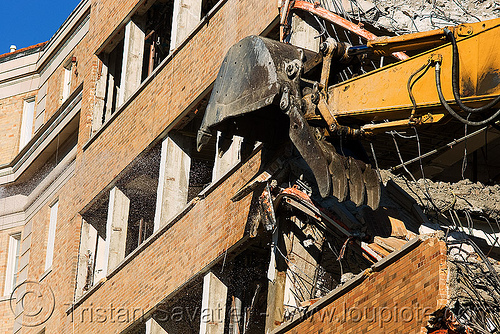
(382, 95)
(401, 124)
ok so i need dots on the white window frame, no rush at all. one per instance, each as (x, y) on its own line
(67, 81)
(27, 122)
(100, 260)
(11, 272)
(68, 66)
(49, 256)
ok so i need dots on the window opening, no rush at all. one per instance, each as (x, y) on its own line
(11, 275)
(27, 122)
(52, 235)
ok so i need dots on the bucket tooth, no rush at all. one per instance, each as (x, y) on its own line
(372, 184)
(339, 177)
(224, 144)
(356, 182)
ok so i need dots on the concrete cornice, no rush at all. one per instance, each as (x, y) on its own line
(22, 52)
(21, 208)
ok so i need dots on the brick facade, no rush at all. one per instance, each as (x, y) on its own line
(55, 82)
(398, 299)
(198, 238)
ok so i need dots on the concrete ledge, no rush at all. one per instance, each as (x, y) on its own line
(16, 210)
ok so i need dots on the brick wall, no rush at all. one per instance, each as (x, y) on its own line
(39, 235)
(61, 278)
(56, 80)
(6, 318)
(394, 300)
(186, 76)
(174, 88)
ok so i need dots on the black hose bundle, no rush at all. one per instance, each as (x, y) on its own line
(455, 79)
(456, 92)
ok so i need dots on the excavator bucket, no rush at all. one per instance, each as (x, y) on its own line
(246, 93)
(257, 95)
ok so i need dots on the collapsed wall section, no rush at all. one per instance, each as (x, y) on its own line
(399, 297)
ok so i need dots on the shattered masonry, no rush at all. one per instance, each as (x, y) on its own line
(253, 166)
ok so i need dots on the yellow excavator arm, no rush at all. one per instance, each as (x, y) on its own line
(382, 99)
(271, 91)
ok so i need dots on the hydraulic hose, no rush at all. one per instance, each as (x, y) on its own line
(451, 111)
(455, 79)
(409, 86)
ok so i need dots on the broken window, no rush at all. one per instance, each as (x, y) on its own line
(231, 297)
(157, 36)
(130, 57)
(202, 163)
(146, 40)
(142, 194)
(108, 83)
(167, 25)
(178, 314)
(119, 219)
(247, 284)
(200, 175)
(92, 258)
(139, 183)
(181, 313)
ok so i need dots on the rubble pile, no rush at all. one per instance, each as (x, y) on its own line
(464, 195)
(407, 16)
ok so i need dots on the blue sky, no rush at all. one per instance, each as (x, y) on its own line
(27, 22)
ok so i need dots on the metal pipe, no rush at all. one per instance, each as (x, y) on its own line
(449, 145)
